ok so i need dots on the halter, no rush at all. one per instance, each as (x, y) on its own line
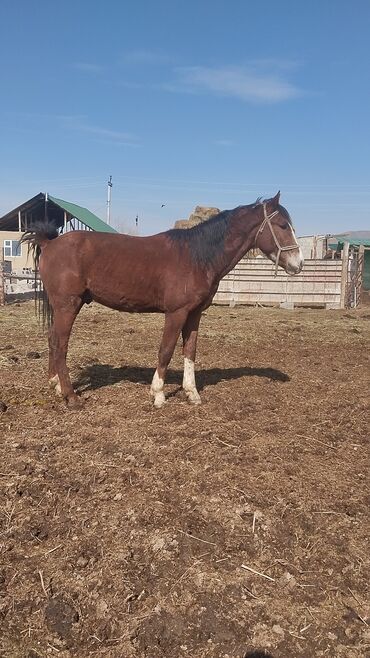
(267, 220)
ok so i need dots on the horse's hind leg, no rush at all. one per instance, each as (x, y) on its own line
(189, 337)
(64, 318)
(172, 327)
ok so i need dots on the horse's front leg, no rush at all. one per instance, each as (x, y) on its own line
(172, 326)
(189, 337)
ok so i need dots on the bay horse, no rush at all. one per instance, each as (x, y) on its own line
(176, 272)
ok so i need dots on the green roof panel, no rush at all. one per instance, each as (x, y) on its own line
(83, 215)
(354, 242)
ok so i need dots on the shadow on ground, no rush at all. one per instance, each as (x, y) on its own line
(257, 654)
(99, 375)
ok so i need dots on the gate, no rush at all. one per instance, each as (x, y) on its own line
(355, 274)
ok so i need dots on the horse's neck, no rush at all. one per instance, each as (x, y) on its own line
(239, 239)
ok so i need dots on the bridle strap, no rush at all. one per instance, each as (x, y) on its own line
(267, 221)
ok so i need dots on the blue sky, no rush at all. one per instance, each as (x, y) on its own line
(188, 103)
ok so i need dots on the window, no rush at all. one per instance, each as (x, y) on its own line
(12, 248)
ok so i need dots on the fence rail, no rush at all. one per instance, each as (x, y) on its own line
(253, 281)
(14, 286)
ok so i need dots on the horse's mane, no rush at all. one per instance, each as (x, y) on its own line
(206, 240)
(283, 211)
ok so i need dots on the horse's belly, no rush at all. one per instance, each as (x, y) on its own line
(140, 302)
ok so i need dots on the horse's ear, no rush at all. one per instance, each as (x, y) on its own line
(274, 202)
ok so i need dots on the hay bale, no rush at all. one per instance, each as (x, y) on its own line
(199, 215)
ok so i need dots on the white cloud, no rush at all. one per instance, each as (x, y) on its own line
(87, 67)
(274, 63)
(224, 142)
(247, 84)
(80, 124)
(145, 57)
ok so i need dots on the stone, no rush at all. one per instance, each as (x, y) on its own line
(82, 562)
(60, 616)
(33, 355)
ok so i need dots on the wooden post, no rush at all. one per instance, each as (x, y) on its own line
(232, 298)
(2, 280)
(344, 277)
(314, 250)
(359, 273)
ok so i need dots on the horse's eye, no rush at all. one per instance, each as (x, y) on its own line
(286, 225)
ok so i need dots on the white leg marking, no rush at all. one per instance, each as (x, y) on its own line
(156, 390)
(188, 382)
(55, 384)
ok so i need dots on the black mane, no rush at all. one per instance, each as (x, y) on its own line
(283, 211)
(205, 240)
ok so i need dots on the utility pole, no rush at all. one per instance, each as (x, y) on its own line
(46, 218)
(110, 185)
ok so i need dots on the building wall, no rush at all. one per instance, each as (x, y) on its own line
(313, 246)
(17, 262)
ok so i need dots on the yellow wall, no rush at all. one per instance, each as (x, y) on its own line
(18, 262)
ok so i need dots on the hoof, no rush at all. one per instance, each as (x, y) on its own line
(193, 397)
(75, 403)
(159, 400)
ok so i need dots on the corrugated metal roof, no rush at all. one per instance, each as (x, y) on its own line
(83, 215)
(355, 238)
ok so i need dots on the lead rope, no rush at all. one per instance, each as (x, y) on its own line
(267, 220)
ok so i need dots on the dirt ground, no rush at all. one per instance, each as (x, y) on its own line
(124, 530)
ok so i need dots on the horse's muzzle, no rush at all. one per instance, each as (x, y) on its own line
(294, 262)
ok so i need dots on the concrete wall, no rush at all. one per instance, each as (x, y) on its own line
(19, 288)
(313, 246)
(17, 262)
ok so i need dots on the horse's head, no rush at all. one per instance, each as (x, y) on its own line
(275, 236)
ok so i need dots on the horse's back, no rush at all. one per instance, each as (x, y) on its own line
(89, 249)
(120, 271)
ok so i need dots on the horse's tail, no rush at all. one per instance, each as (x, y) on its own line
(37, 237)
